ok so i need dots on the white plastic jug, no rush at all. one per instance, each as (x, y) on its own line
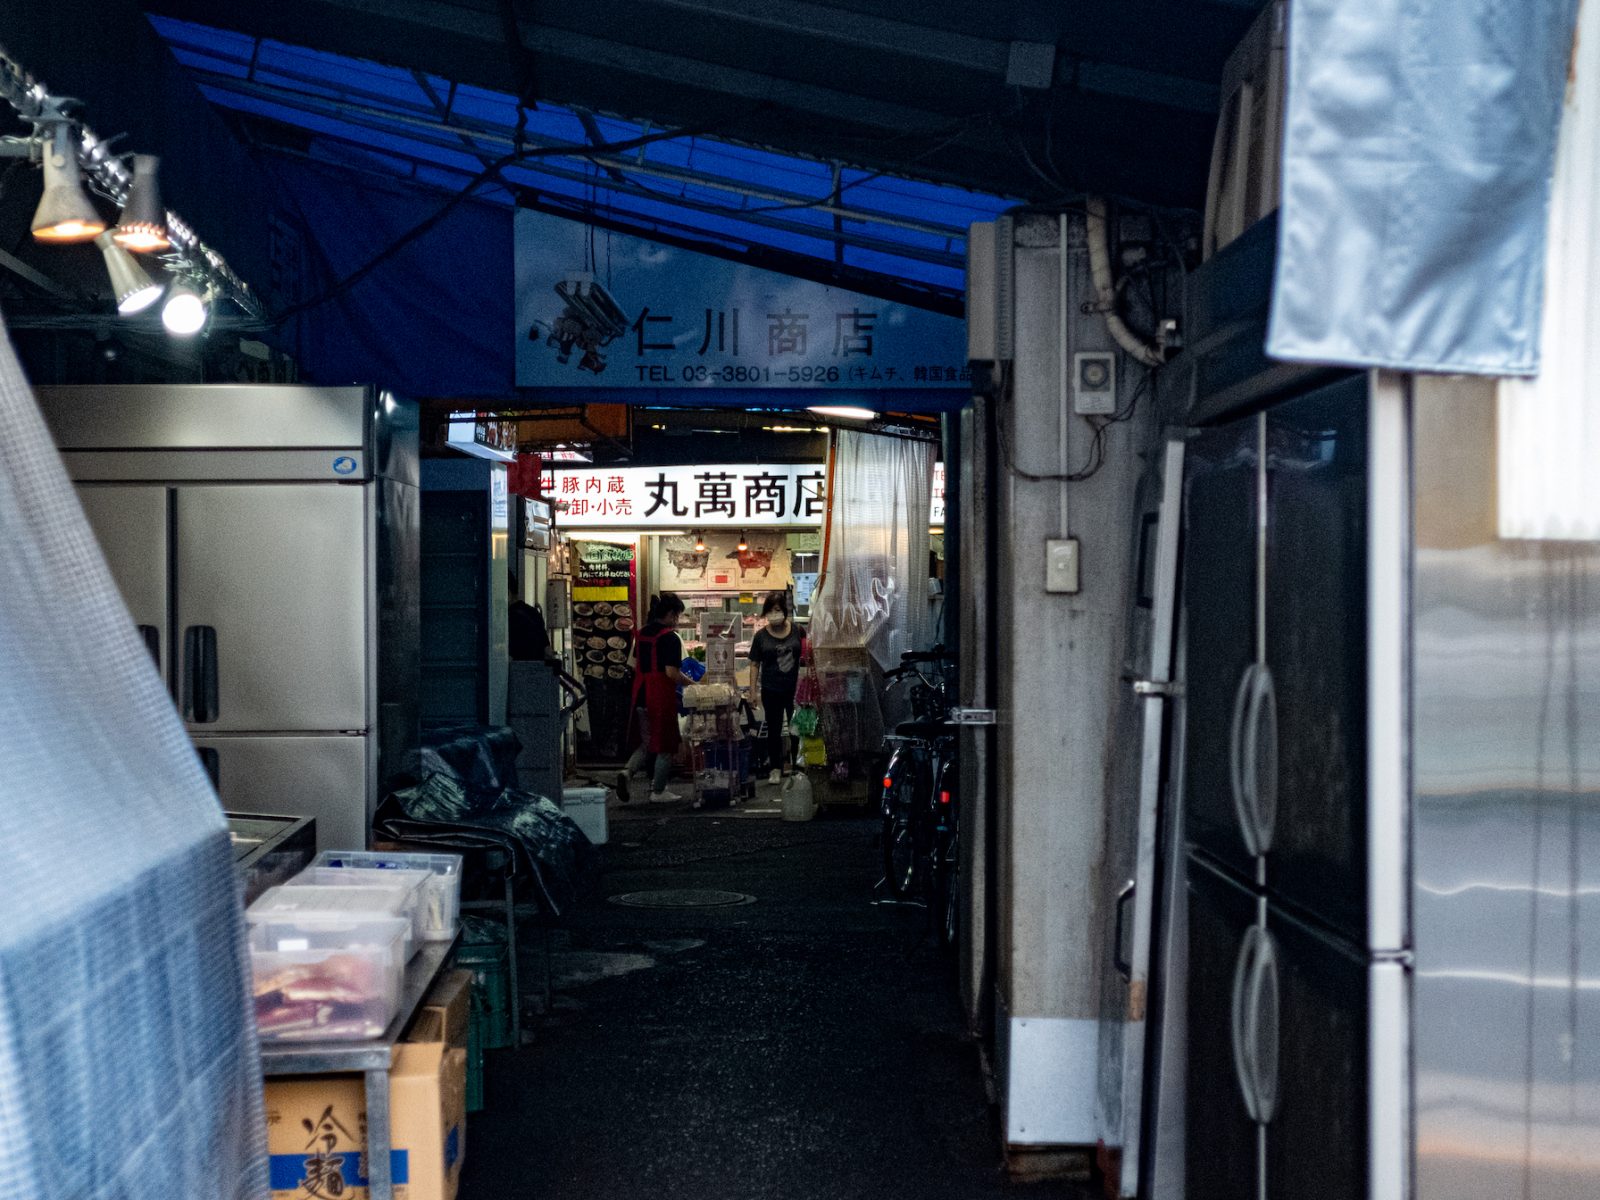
(798, 804)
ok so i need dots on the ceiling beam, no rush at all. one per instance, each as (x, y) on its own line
(949, 259)
(932, 297)
(987, 56)
(39, 280)
(425, 131)
(618, 57)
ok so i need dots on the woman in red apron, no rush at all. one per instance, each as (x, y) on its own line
(657, 653)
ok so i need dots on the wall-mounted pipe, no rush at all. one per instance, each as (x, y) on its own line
(1105, 287)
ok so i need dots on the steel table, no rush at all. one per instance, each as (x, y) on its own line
(371, 1058)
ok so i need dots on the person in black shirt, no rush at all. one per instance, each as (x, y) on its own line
(776, 651)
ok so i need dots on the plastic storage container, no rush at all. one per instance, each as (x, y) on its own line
(587, 808)
(326, 979)
(441, 894)
(301, 900)
(413, 882)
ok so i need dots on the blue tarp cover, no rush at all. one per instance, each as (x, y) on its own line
(1419, 146)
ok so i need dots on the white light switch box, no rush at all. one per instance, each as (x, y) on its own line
(1094, 383)
(1061, 565)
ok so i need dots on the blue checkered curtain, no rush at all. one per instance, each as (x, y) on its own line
(128, 1060)
(1419, 143)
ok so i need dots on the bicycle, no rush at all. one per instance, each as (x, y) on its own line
(921, 830)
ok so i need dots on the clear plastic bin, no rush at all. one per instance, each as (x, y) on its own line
(304, 899)
(326, 979)
(441, 894)
(414, 883)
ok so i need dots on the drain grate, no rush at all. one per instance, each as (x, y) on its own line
(683, 898)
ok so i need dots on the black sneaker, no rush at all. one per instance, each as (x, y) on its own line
(622, 788)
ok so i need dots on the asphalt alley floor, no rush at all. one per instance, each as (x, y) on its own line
(808, 1045)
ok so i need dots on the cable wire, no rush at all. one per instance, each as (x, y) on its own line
(491, 172)
(1096, 457)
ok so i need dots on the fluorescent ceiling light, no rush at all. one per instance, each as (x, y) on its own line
(143, 227)
(134, 290)
(185, 311)
(65, 212)
(618, 535)
(848, 412)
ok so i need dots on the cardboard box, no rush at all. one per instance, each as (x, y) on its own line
(317, 1128)
(451, 1000)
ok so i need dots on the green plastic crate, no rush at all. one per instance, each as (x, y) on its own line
(491, 978)
(475, 1031)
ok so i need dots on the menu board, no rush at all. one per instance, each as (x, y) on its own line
(603, 624)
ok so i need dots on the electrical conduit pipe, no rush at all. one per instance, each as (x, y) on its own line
(1105, 287)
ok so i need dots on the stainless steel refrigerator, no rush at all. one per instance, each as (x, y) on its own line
(1379, 956)
(265, 540)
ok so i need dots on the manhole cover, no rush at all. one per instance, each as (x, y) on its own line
(683, 898)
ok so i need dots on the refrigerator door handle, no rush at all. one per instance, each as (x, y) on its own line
(1263, 1027)
(1238, 777)
(1260, 758)
(200, 674)
(1123, 964)
(1244, 1072)
(152, 642)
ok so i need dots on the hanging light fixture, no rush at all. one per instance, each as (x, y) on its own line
(143, 226)
(65, 212)
(134, 290)
(744, 544)
(699, 540)
(186, 309)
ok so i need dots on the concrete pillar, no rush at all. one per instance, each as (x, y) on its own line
(1057, 666)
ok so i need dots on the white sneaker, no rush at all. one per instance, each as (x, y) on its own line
(775, 778)
(664, 797)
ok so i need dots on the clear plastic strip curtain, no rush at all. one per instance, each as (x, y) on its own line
(128, 1060)
(875, 594)
(1419, 137)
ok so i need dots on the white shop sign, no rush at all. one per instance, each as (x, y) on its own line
(697, 497)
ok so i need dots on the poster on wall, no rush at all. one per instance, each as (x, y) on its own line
(648, 315)
(603, 625)
(762, 566)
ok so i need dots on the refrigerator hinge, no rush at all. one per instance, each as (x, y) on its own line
(972, 716)
(1151, 687)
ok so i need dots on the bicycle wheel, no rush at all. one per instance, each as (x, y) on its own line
(899, 834)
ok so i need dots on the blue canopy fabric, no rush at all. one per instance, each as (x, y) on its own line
(1419, 147)
(437, 319)
(433, 320)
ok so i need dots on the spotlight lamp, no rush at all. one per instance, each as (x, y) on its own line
(744, 543)
(65, 212)
(143, 227)
(186, 309)
(699, 541)
(134, 290)
(80, 170)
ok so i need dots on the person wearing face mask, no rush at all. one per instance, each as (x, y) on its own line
(775, 651)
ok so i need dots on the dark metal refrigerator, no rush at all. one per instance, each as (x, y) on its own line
(1297, 928)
